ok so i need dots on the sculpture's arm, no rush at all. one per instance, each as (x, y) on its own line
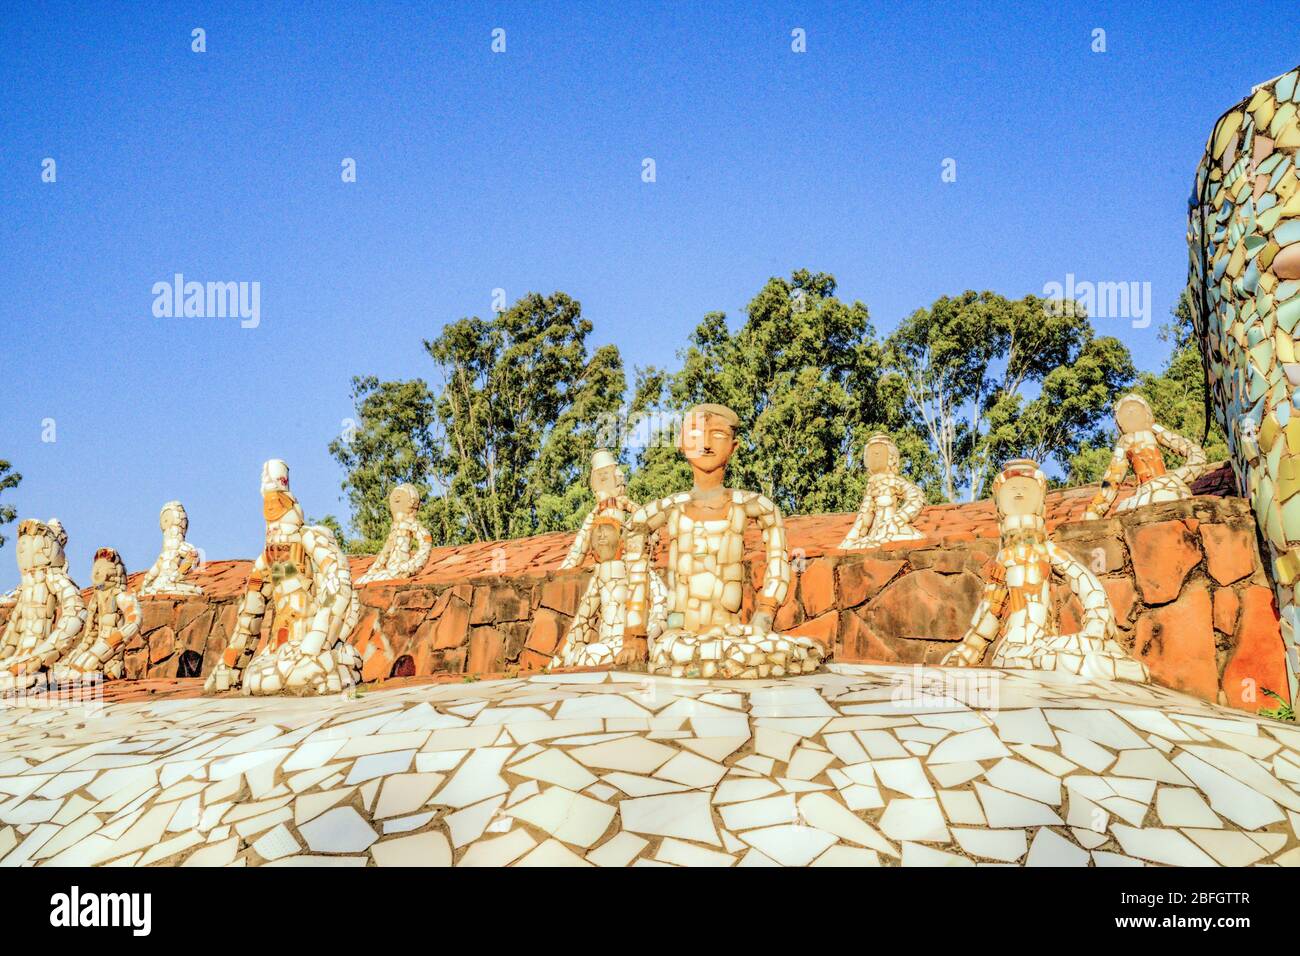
(72, 617)
(187, 557)
(248, 625)
(984, 623)
(862, 523)
(913, 501)
(333, 590)
(578, 550)
(154, 571)
(1193, 455)
(1110, 482)
(776, 574)
(637, 556)
(379, 567)
(423, 548)
(1098, 618)
(9, 640)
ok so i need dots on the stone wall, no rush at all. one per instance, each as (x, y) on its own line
(1185, 580)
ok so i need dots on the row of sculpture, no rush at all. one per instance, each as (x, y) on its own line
(687, 623)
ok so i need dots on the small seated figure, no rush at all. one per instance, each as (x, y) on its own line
(890, 503)
(302, 578)
(595, 637)
(407, 547)
(114, 619)
(1139, 445)
(1017, 600)
(177, 558)
(48, 614)
(704, 635)
(608, 485)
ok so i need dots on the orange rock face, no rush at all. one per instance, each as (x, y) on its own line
(1177, 643)
(1162, 554)
(1258, 660)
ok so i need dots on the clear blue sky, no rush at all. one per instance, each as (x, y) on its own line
(522, 171)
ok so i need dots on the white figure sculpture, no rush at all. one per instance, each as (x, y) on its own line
(890, 503)
(114, 619)
(1017, 600)
(407, 547)
(608, 485)
(48, 615)
(302, 578)
(1140, 440)
(177, 558)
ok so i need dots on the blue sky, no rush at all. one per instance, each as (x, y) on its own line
(522, 171)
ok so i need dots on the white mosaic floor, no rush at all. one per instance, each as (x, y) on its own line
(618, 769)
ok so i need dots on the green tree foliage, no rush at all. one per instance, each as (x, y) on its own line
(9, 480)
(501, 449)
(991, 379)
(802, 374)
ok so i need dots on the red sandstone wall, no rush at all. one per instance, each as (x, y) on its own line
(1185, 581)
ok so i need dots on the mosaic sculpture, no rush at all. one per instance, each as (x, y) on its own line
(48, 614)
(407, 547)
(890, 503)
(595, 637)
(177, 558)
(1140, 441)
(1244, 245)
(302, 580)
(1017, 600)
(607, 484)
(114, 619)
(705, 529)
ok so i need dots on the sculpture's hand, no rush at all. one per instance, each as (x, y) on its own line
(223, 677)
(632, 653)
(761, 622)
(963, 655)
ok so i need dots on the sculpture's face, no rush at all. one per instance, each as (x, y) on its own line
(878, 458)
(276, 504)
(103, 571)
(605, 482)
(173, 516)
(708, 441)
(1133, 417)
(402, 501)
(36, 548)
(605, 539)
(1020, 495)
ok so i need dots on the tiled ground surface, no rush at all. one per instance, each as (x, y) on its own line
(617, 769)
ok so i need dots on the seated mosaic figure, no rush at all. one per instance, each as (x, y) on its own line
(302, 580)
(890, 503)
(177, 558)
(1017, 602)
(114, 619)
(407, 547)
(48, 612)
(595, 637)
(610, 490)
(1140, 441)
(705, 532)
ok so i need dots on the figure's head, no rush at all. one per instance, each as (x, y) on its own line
(606, 537)
(108, 569)
(278, 502)
(404, 500)
(39, 545)
(1020, 489)
(708, 438)
(173, 516)
(1133, 414)
(606, 477)
(881, 455)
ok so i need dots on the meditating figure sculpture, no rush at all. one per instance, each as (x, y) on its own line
(302, 578)
(595, 637)
(1017, 600)
(407, 547)
(177, 558)
(114, 619)
(1140, 441)
(609, 488)
(890, 503)
(705, 527)
(48, 615)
